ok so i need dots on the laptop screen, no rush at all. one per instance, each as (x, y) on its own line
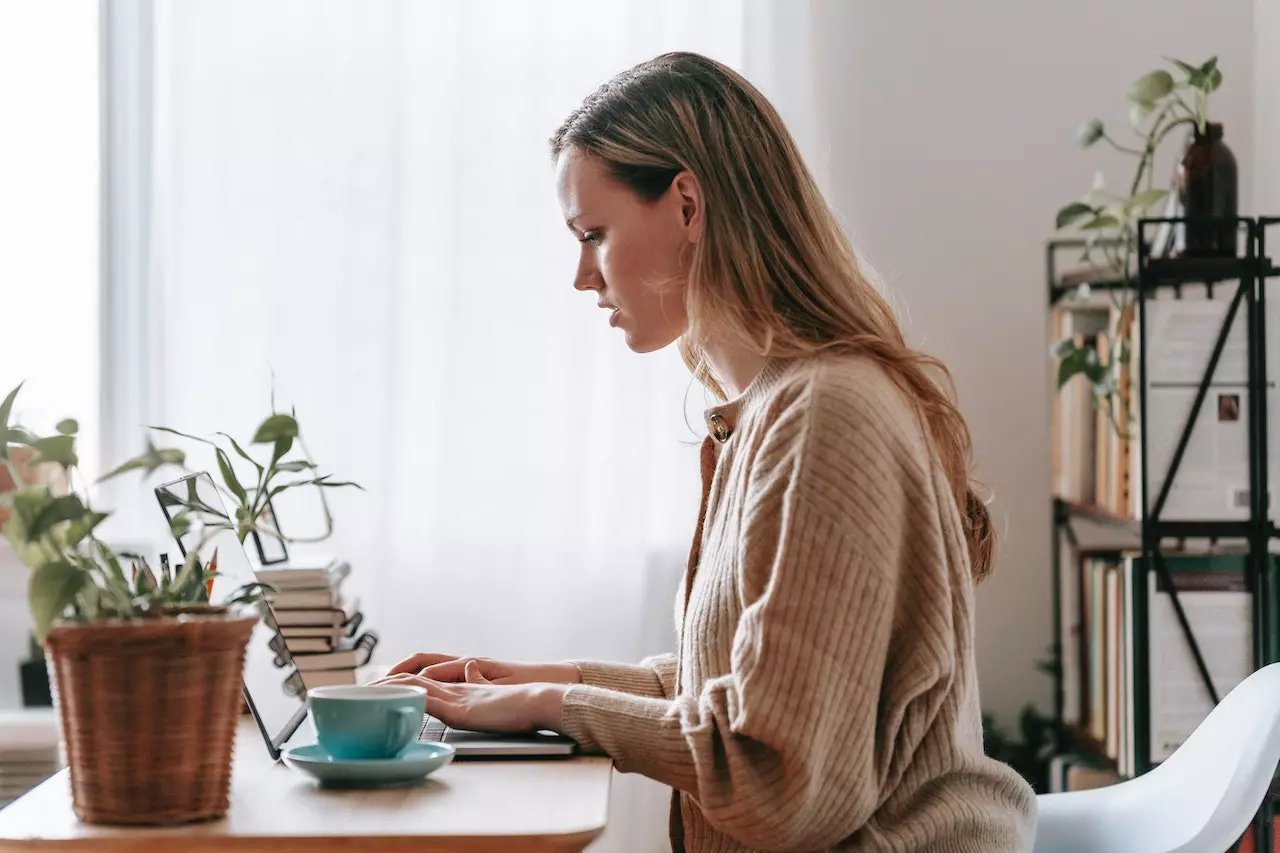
(272, 685)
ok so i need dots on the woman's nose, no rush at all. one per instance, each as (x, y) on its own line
(586, 277)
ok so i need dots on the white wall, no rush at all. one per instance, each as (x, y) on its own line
(952, 148)
(1267, 112)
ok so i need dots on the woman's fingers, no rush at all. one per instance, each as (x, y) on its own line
(473, 674)
(413, 679)
(478, 704)
(450, 670)
(417, 663)
(442, 699)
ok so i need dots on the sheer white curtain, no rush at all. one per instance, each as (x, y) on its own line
(357, 197)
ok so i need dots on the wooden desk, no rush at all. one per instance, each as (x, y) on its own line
(470, 805)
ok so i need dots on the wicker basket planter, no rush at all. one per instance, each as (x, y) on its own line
(148, 711)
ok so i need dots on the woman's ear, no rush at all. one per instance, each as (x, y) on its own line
(689, 195)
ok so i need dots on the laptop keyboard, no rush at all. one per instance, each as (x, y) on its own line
(432, 731)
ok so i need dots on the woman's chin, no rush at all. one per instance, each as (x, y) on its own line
(638, 342)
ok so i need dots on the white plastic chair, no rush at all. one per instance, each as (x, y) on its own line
(1199, 800)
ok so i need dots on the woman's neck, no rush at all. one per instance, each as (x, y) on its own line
(734, 366)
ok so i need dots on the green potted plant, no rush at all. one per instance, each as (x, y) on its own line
(145, 671)
(128, 654)
(1159, 104)
(249, 494)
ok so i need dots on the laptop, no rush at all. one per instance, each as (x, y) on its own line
(273, 688)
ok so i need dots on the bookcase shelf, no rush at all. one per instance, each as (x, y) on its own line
(1163, 272)
(1158, 536)
(1091, 512)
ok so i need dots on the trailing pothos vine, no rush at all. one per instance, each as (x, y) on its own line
(1159, 104)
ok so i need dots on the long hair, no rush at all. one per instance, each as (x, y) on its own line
(772, 269)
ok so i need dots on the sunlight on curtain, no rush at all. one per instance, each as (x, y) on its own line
(48, 250)
(358, 197)
(49, 215)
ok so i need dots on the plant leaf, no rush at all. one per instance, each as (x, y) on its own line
(191, 571)
(1186, 67)
(229, 476)
(183, 434)
(29, 503)
(124, 467)
(1073, 212)
(29, 553)
(144, 581)
(1090, 132)
(53, 587)
(83, 526)
(250, 593)
(336, 484)
(1142, 201)
(65, 508)
(1138, 112)
(1151, 87)
(240, 450)
(295, 466)
(275, 428)
(1073, 363)
(1104, 220)
(1063, 348)
(56, 448)
(148, 462)
(7, 406)
(171, 456)
(68, 426)
(244, 523)
(283, 445)
(18, 435)
(1210, 65)
(1214, 80)
(180, 526)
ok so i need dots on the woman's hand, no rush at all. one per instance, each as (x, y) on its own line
(478, 704)
(439, 667)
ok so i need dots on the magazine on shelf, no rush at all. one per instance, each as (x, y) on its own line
(1212, 480)
(1218, 607)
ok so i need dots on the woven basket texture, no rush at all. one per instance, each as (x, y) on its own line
(148, 711)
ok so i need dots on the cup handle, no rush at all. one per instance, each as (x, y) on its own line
(406, 723)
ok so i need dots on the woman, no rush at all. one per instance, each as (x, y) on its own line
(824, 693)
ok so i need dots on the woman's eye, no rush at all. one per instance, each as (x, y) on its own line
(590, 237)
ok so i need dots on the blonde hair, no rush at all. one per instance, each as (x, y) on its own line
(772, 269)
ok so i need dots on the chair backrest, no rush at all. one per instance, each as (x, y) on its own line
(1200, 799)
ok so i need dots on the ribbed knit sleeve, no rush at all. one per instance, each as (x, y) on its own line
(794, 746)
(653, 677)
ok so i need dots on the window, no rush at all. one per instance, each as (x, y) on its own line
(49, 258)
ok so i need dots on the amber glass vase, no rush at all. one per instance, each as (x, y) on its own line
(1207, 187)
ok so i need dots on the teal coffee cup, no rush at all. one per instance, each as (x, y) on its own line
(370, 721)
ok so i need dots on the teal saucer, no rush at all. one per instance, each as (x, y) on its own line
(416, 762)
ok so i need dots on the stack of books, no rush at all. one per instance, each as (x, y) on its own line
(1097, 458)
(1100, 684)
(319, 623)
(30, 751)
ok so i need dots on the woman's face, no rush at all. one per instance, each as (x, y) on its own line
(633, 251)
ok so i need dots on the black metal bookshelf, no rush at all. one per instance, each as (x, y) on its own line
(1243, 279)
